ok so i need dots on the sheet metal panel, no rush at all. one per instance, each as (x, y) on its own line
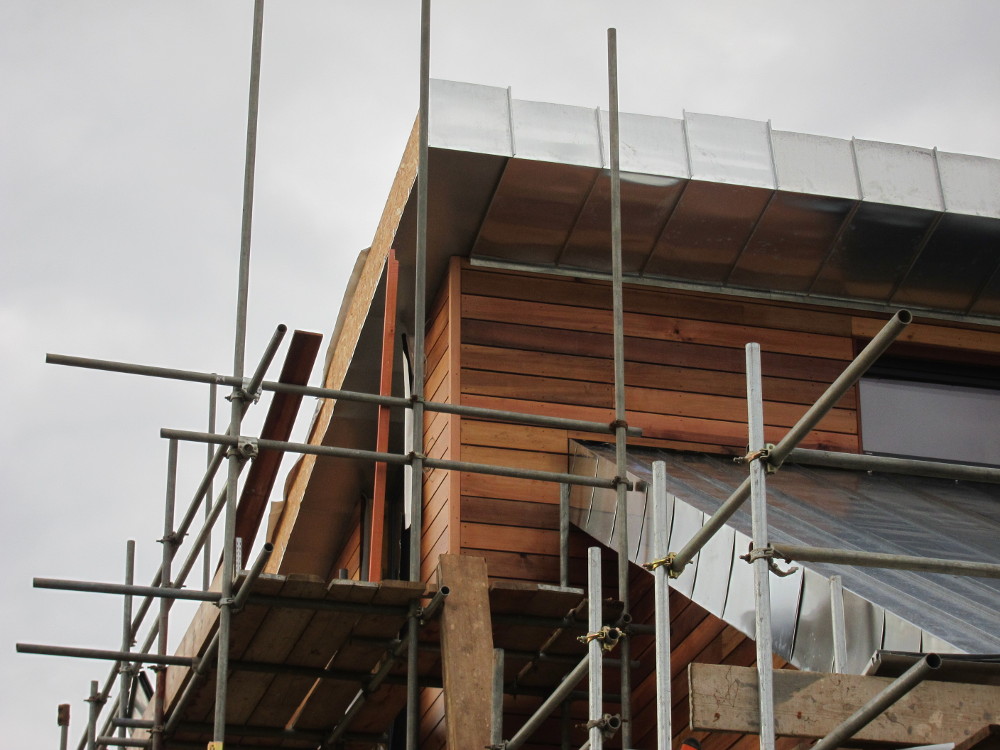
(467, 117)
(959, 255)
(791, 242)
(533, 211)
(556, 133)
(971, 184)
(813, 648)
(815, 164)
(710, 591)
(729, 150)
(898, 175)
(852, 510)
(694, 199)
(874, 253)
(707, 231)
(649, 145)
(647, 202)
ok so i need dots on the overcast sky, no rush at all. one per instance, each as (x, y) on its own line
(121, 163)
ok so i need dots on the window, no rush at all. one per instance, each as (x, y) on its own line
(931, 410)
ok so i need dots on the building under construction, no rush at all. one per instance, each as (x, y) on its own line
(631, 430)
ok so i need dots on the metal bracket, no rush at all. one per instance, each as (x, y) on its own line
(608, 636)
(243, 393)
(609, 724)
(245, 449)
(769, 554)
(762, 455)
(667, 561)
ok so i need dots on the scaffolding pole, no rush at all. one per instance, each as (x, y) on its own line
(761, 584)
(791, 552)
(126, 669)
(661, 595)
(479, 412)
(595, 676)
(417, 391)
(621, 425)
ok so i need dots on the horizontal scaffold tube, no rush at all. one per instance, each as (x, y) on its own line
(792, 552)
(194, 376)
(891, 465)
(95, 653)
(391, 458)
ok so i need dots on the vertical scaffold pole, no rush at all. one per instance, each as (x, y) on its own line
(124, 678)
(206, 573)
(564, 535)
(621, 462)
(417, 410)
(761, 584)
(238, 396)
(594, 648)
(661, 593)
(169, 542)
(62, 718)
(95, 707)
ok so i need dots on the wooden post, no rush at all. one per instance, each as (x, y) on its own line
(375, 545)
(466, 651)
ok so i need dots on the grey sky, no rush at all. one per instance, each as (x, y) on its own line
(120, 184)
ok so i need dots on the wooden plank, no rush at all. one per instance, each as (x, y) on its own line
(278, 425)
(466, 651)
(274, 640)
(709, 356)
(524, 513)
(502, 435)
(811, 704)
(987, 738)
(670, 427)
(642, 374)
(483, 485)
(649, 400)
(701, 306)
(657, 327)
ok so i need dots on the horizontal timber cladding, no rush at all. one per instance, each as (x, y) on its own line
(541, 344)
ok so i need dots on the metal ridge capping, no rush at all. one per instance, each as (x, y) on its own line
(714, 148)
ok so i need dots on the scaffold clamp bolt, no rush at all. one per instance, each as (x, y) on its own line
(608, 636)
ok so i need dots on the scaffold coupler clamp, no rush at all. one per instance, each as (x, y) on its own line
(243, 393)
(608, 636)
(608, 724)
(661, 562)
(501, 745)
(763, 454)
(246, 448)
(769, 554)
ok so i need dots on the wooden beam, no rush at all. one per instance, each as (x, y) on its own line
(466, 651)
(811, 704)
(277, 426)
(375, 544)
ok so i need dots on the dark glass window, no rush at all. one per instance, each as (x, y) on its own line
(933, 410)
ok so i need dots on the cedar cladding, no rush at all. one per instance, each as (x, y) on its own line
(542, 344)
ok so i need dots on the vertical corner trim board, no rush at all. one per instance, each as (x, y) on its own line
(466, 650)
